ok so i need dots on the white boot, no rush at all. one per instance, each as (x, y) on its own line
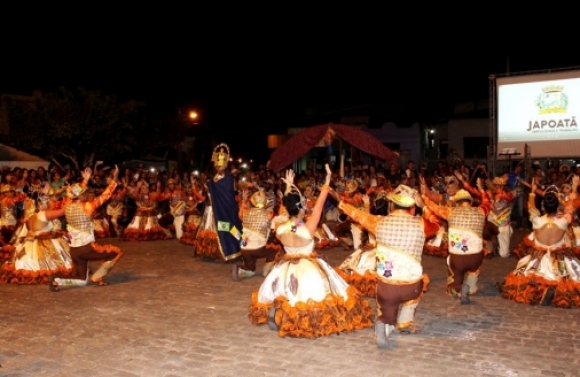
(71, 282)
(240, 274)
(356, 236)
(329, 233)
(104, 270)
(55, 283)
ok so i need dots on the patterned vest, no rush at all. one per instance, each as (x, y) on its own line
(402, 231)
(257, 219)
(465, 230)
(400, 240)
(76, 218)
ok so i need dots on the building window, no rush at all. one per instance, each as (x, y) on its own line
(443, 148)
(475, 147)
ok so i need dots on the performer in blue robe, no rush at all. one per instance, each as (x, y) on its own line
(221, 228)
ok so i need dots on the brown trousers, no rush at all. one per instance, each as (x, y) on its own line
(83, 254)
(391, 296)
(459, 266)
(250, 257)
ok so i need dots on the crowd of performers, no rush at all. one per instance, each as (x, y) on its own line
(389, 219)
(48, 232)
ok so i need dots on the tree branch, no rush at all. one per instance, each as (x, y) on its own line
(72, 157)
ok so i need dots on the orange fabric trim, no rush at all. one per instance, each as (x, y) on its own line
(366, 284)
(437, 251)
(313, 319)
(530, 289)
(9, 275)
(207, 246)
(327, 243)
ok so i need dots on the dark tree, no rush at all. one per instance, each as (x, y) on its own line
(79, 125)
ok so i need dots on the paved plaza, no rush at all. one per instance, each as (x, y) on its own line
(169, 314)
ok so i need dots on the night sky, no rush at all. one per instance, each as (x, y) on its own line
(247, 84)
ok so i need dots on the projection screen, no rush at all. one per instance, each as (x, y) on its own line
(541, 110)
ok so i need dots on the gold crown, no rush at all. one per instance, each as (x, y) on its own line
(552, 88)
(221, 155)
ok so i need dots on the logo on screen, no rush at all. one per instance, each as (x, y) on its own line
(552, 100)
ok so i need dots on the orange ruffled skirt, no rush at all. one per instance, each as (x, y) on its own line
(342, 309)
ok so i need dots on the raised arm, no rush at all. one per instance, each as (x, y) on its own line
(442, 211)
(532, 210)
(86, 174)
(435, 197)
(431, 223)
(314, 219)
(466, 185)
(485, 204)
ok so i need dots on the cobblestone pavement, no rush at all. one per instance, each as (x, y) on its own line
(169, 314)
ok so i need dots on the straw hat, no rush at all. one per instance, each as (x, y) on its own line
(75, 190)
(462, 195)
(500, 181)
(565, 168)
(259, 199)
(403, 195)
(351, 186)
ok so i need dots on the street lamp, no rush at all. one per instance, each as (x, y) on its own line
(193, 116)
(187, 140)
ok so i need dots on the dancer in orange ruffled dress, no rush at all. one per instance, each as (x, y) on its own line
(548, 273)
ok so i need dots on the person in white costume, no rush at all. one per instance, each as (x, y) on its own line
(302, 285)
(549, 273)
(39, 250)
